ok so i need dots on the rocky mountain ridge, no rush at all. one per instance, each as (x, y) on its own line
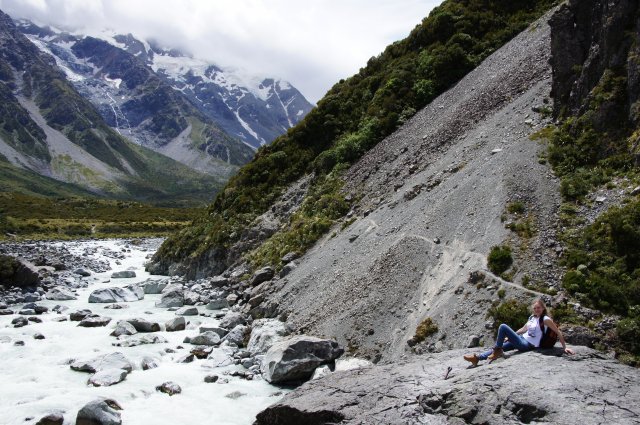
(51, 133)
(252, 109)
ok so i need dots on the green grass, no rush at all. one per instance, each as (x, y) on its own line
(511, 312)
(30, 217)
(425, 329)
(499, 259)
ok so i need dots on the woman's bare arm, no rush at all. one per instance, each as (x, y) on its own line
(549, 322)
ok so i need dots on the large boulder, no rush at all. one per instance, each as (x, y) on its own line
(296, 358)
(105, 362)
(17, 272)
(155, 286)
(236, 335)
(176, 324)
(108, 377)
(124, 328)
(60, 294)
(262, 275)
(172, 296)
(265, 333)
(143, 325)
(127, 293)
(102, 411)
(206, 338)
(53, 418)
(232, 319)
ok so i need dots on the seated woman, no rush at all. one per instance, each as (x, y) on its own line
(526, 338)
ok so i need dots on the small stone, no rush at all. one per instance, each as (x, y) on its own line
(124, 328)
(235, 395)
(108, 377)
(149, 363)
(210, 379)
(495, 151)
(635, 191)
(124, 274)
(54, 418)
(19, 322)
(19, 343)
(170, 388)
(187, 358)
(601, 199)
(34, 319)
(102, 411)
(474, 341)
(187, 311)
(79, 315)
(82, 272)
(38, 336)
(262, 275)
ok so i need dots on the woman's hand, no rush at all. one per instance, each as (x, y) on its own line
(569, 351)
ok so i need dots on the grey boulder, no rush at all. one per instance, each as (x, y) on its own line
(124, 274)
(108, 377)
(174, 297)
(208, 338)
(154, 287)
(135, 340)
(296, 358)
(105, 362)
(94, 321)
(170, 388)
(217, 304)
(232, 319)
(265, 333)
(262, 275)
(53, 418)
(60, 294)
(102, 411)
(187, 311)
(127, 293)
(236, 335)
(143, 325)
(124, 328)
(176, 324)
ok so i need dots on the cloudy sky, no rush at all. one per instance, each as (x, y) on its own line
(311, 43)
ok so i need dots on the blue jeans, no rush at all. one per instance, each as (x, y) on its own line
(516, 342)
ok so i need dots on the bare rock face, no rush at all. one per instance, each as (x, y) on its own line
(296, 358)
(552, 389)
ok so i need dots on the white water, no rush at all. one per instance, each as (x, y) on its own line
(36, 378)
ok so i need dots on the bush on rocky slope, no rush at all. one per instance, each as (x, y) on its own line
(359, 112)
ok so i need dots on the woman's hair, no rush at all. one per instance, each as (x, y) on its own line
(542, 304)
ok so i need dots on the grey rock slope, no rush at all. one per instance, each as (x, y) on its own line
(532, 387)
(432, 197)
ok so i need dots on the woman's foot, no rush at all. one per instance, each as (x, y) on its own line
(473, 358)
(497, 353)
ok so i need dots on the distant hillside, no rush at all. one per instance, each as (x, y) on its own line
(351, 119)
(49, 132)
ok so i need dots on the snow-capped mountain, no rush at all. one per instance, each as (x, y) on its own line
(252, 109)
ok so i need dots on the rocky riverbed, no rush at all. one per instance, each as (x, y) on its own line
(59, 351)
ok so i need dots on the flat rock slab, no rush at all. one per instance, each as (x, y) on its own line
(111, 361)
(60, 294)
(581, 389)
(124, 274)
(94, 321)
(136, 340)
(143, 325)
(108, 377)
(127, 293)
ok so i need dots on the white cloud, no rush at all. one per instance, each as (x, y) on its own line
(311, 43)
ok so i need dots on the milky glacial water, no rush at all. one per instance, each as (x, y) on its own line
(36, 378)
